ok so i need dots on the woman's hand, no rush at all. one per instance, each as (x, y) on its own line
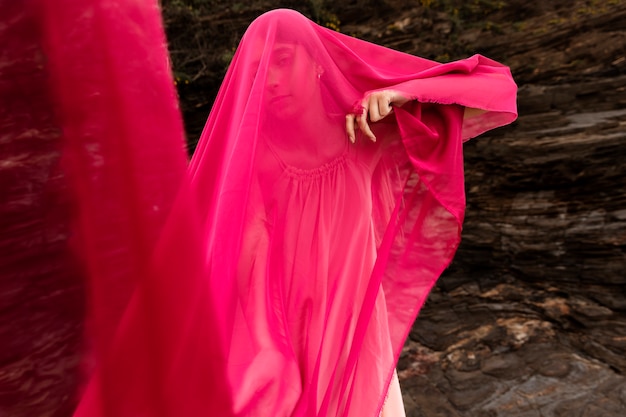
(377, 106)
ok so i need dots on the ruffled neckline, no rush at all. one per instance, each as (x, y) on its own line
(315, 172)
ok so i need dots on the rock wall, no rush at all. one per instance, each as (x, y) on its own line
(530, 319)
(41, 292)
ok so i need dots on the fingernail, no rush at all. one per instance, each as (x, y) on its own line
(352, 139)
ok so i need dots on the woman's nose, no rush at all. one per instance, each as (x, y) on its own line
(273, 78)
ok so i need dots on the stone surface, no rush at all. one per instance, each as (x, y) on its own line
(530, 356)
(41, 297)
(535, 297)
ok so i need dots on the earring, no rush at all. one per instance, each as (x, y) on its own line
(319, 71)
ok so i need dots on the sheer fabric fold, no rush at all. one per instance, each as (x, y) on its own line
(285, 277)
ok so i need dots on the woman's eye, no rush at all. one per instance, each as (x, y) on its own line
(284, 60)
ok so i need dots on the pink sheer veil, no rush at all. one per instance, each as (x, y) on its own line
(287, 274)
(280, 112)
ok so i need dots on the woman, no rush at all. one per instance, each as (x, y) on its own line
(323, 201)
(329, 226)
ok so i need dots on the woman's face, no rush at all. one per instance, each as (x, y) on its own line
(292, 83)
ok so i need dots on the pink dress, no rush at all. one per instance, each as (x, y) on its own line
(280, 274)
(321, 268)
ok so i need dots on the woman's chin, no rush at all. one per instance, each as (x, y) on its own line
(283, 113)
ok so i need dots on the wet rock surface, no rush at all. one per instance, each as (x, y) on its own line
(476, 352)
(41, 295)
(530, 319)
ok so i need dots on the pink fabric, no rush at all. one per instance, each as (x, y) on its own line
(123, 152)
(287, 274)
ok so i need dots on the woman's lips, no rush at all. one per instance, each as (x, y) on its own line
(279, 99)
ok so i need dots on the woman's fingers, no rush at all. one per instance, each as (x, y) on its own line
(372, 107)
(382, 108)
(354, 122)
(358, 121)
(377, 106)
(362, 121)
(350, 129)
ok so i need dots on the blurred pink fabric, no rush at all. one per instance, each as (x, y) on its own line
(280, 274)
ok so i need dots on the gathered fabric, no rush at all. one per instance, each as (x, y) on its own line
(279, 273)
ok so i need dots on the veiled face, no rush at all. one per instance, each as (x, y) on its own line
(292, 84)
